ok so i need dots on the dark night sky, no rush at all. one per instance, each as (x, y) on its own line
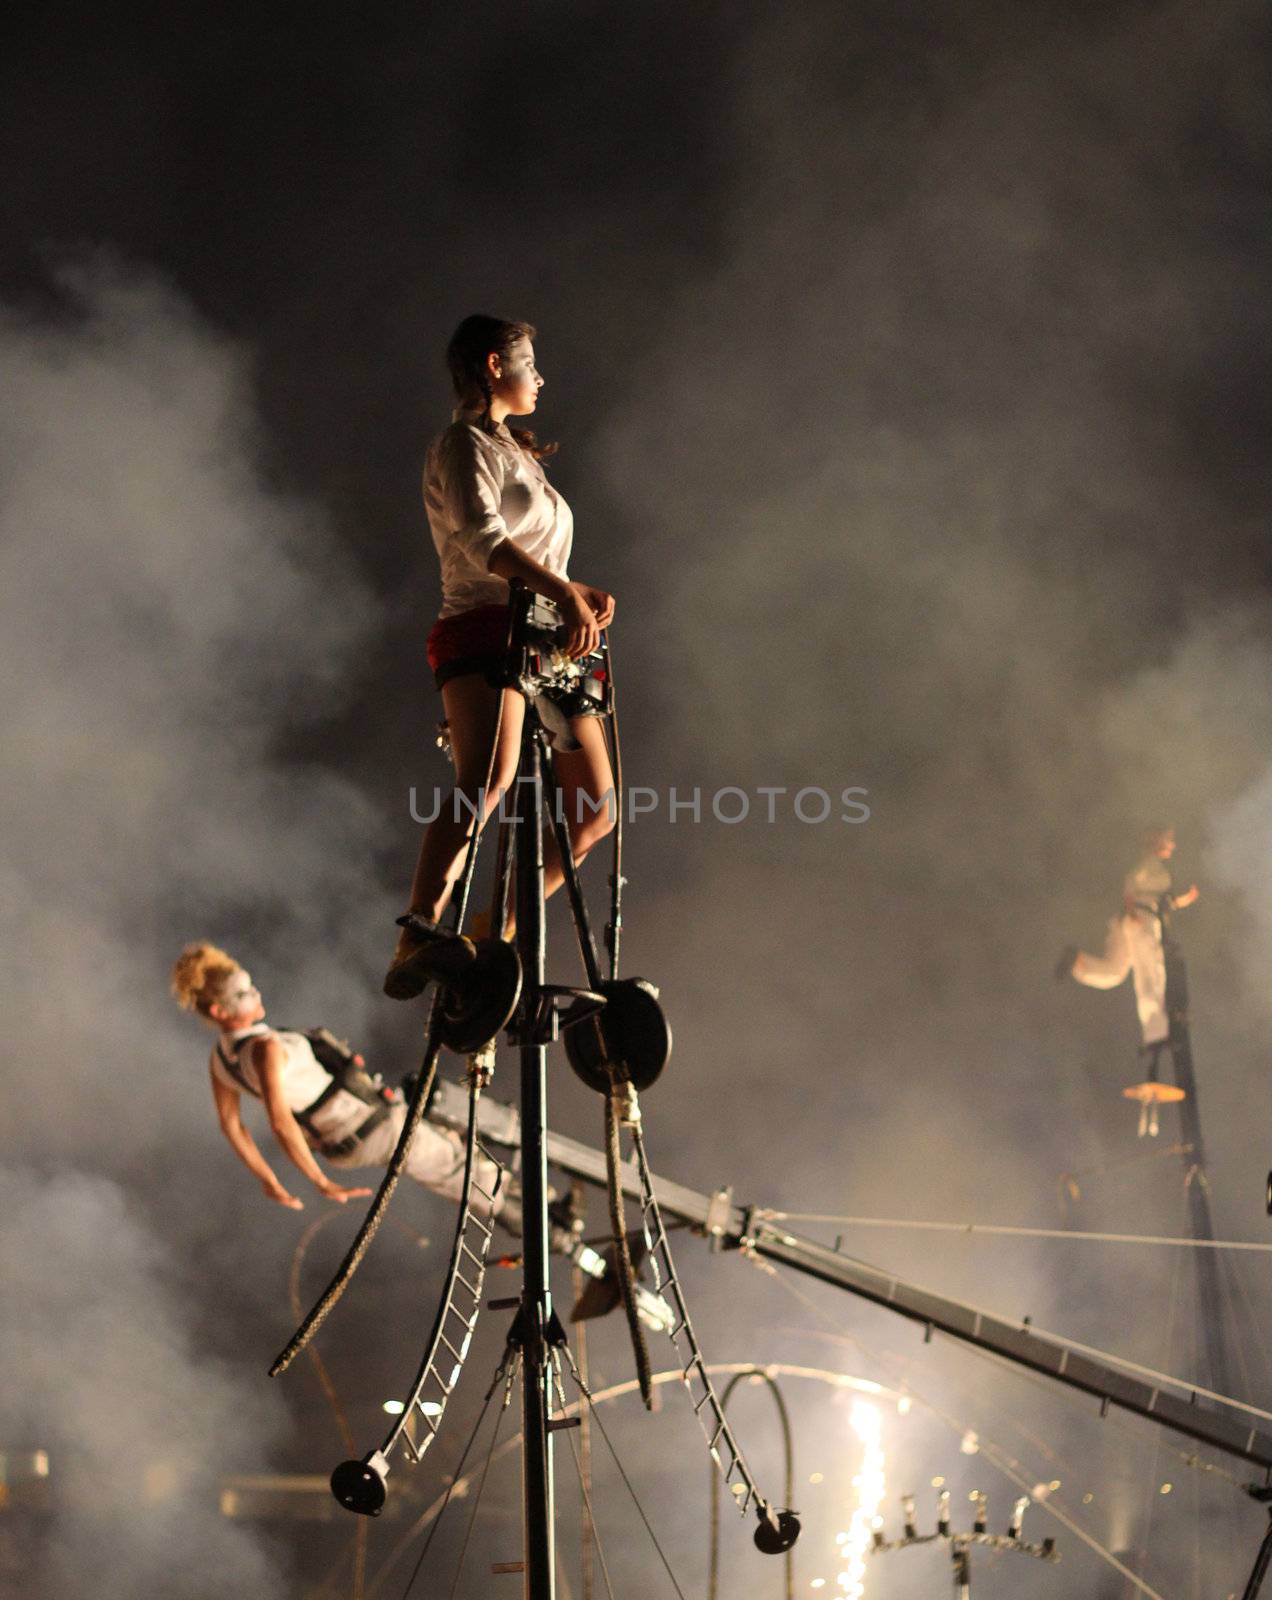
(912, 370)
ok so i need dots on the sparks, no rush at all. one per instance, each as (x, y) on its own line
(867, 1424)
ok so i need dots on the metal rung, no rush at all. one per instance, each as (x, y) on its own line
(683, 1338)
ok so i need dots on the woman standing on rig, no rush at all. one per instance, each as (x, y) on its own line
(495, 517)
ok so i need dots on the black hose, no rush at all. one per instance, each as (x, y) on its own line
(622, 1251)
(375, 1214)
(713, 1577)
(419, 1099)
(614, 930)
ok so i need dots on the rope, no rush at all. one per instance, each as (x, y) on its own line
(618, 1391)
(481, 1489)
(649, 1527)
(622, 1251)
(989, 1449)
(1088, 1539)
(1168, 1348)
(419, 1099)
(1107, 1356)
(1115, 1418)
(584, 1485)
(460, 894)
(456, 1480)
(1010, 1232)
(297, 1311)
(585, 1434)
(1177, 1148)
(614, 933)
(375, 1215)
(328, 1389)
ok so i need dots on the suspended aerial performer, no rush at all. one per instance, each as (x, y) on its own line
(320, 1098)
(494, 517)
(332, 1106)
(1134, 942)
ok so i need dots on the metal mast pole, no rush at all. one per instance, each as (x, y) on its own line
(536, 1300)
(1210, 1297)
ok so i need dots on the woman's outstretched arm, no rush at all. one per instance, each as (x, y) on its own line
(229, 1115)
(267, 1059)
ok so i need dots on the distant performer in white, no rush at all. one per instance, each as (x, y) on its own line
(1134, 942)
(318, 1094)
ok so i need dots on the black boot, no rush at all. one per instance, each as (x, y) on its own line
(424, 951)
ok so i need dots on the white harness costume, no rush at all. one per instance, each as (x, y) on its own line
(436, 1156)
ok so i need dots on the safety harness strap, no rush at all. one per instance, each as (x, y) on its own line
(231, 1061)
(347, 1073)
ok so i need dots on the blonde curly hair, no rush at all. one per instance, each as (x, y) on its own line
(198, 976)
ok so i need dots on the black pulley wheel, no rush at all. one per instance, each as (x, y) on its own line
(478, 1003)
(630, 1039)
(776, 1538)
(1269, 1194)
(359, 1487)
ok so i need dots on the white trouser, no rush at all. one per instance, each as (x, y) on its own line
(436, 1158)
(1134, 945)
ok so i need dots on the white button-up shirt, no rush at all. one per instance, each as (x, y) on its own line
(479, 489)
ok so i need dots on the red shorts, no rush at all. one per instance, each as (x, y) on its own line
(468, 635)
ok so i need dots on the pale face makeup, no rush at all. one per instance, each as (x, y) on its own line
(239, 1000)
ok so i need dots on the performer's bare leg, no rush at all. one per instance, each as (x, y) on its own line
(471, 708)
(585, 784)
(1108, 970)
(584, 777)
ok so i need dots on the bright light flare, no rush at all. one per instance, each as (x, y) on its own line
(867, 1424)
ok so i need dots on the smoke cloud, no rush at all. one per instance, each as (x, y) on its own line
(917, 419)
(170, 619)
(135, 1421)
